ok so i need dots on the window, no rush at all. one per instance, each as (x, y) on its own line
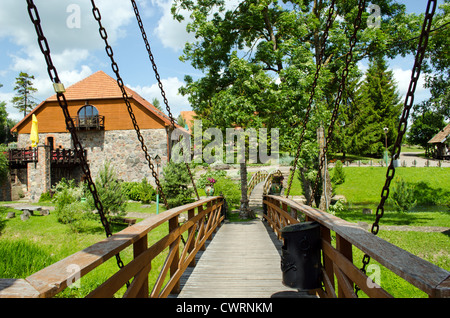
(88, 118)
(87, 111)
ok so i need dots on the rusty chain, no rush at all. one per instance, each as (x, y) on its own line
(409, 100)
(348, 60)
(115, 68)
(313, 89)
(53, 74)
(160, 85)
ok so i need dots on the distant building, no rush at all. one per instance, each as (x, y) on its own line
(104, 129)
(441, 142)
(189, 116)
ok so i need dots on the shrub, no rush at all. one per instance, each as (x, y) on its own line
(230, 190)
(139, 191)
(402, 195)
(175, 184)
(146, 192)
(110, 192)
(45, 197)
(203, 181)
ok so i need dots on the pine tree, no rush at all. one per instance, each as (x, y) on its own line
(377, 106)
(24, 100)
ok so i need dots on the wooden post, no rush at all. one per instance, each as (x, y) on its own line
(191, 214)
(345, 248)
(173, 225)
(327, 262)
(139, 247)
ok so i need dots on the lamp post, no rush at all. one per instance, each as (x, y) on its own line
(158, 162)
(386, 156)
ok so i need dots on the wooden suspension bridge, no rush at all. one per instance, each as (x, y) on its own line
(203, 230)
(224, 259)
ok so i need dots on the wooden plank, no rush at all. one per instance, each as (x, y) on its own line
(17, 288)
(350, 270)
(240, 261)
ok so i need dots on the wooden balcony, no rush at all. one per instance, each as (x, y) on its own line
(96, 122)
(64, 156)
(22, 156)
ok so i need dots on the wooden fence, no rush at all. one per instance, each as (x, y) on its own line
(203, 218)
(338, 261)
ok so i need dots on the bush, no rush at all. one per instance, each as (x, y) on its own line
(139, 191)
(68, 206)
(230, 190)
(402, 195)
(110, 192)
(175, 184)
(203, 181)
(338, 173)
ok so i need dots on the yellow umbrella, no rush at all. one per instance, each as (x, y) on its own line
(34, 136)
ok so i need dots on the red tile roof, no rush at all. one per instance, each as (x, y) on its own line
(100, 86)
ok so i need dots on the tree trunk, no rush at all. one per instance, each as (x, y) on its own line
(244, 211)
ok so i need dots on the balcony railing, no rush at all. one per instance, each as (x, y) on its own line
(89, 123)
(65, 156)
(23, 155)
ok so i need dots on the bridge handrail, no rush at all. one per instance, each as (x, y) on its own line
(268, 180)
(338, 261)
(200, 224)
(256, 178)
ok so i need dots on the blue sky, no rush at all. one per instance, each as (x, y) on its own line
(78, 51)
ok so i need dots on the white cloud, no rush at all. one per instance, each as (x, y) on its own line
(177, 102)
(172, 33)
(72, 48)
(403, 78)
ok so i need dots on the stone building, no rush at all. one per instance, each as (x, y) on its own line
(104, 129)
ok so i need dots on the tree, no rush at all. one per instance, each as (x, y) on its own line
(259, 57)
(5, 125)
(157, 104)
(24, 100)
(438, 65)
(377, 105)
(426, 124)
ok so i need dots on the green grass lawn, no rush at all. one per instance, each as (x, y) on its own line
(27, 247)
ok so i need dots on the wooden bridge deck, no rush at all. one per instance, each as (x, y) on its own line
(241, 261)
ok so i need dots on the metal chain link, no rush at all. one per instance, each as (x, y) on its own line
(348, 60)
(53, 74)
(115, 68)
(160, 85)
(409, 100)
(311, 97)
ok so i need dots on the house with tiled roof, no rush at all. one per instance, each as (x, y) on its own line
(441, 143)
(189, 116)
(104, 129)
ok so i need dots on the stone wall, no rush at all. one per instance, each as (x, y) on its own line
(120, 147)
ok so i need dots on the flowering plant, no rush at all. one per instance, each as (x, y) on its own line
(211, 181)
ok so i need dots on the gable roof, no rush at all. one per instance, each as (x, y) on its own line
(189, 116)
(99, 86)
(441, 136)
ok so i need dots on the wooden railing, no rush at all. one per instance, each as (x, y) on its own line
(268, 180)
(337, 261)
(203, 218)
(96, 122)
(256, 178)
(65, 156)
